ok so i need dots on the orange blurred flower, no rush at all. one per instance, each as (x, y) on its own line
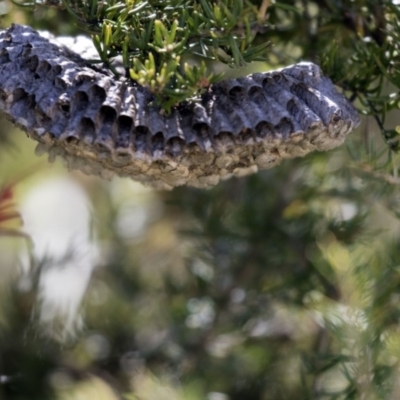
(9, 215)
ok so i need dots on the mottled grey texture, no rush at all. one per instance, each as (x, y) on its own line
(106, 126)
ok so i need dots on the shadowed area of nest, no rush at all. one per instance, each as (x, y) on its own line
(105, 126)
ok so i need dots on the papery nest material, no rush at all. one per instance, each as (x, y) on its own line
(105, 126)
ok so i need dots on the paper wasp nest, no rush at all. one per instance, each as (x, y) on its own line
(106, 126)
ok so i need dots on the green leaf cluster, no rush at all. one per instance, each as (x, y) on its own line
(370, 68)
(159, 40)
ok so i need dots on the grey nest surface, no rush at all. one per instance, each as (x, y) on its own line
(105, 126)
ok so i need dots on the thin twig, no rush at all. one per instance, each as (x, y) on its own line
(262, 13)
(390, 179)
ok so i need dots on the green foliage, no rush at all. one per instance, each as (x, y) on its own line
(371, 65)
(282, 285)
(154, 36)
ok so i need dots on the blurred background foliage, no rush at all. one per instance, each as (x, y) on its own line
(281, 285)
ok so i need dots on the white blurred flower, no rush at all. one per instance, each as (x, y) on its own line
(56, 215)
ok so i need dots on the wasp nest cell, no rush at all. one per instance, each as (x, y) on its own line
(105, 126)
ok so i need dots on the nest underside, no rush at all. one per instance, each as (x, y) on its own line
(105, 126)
